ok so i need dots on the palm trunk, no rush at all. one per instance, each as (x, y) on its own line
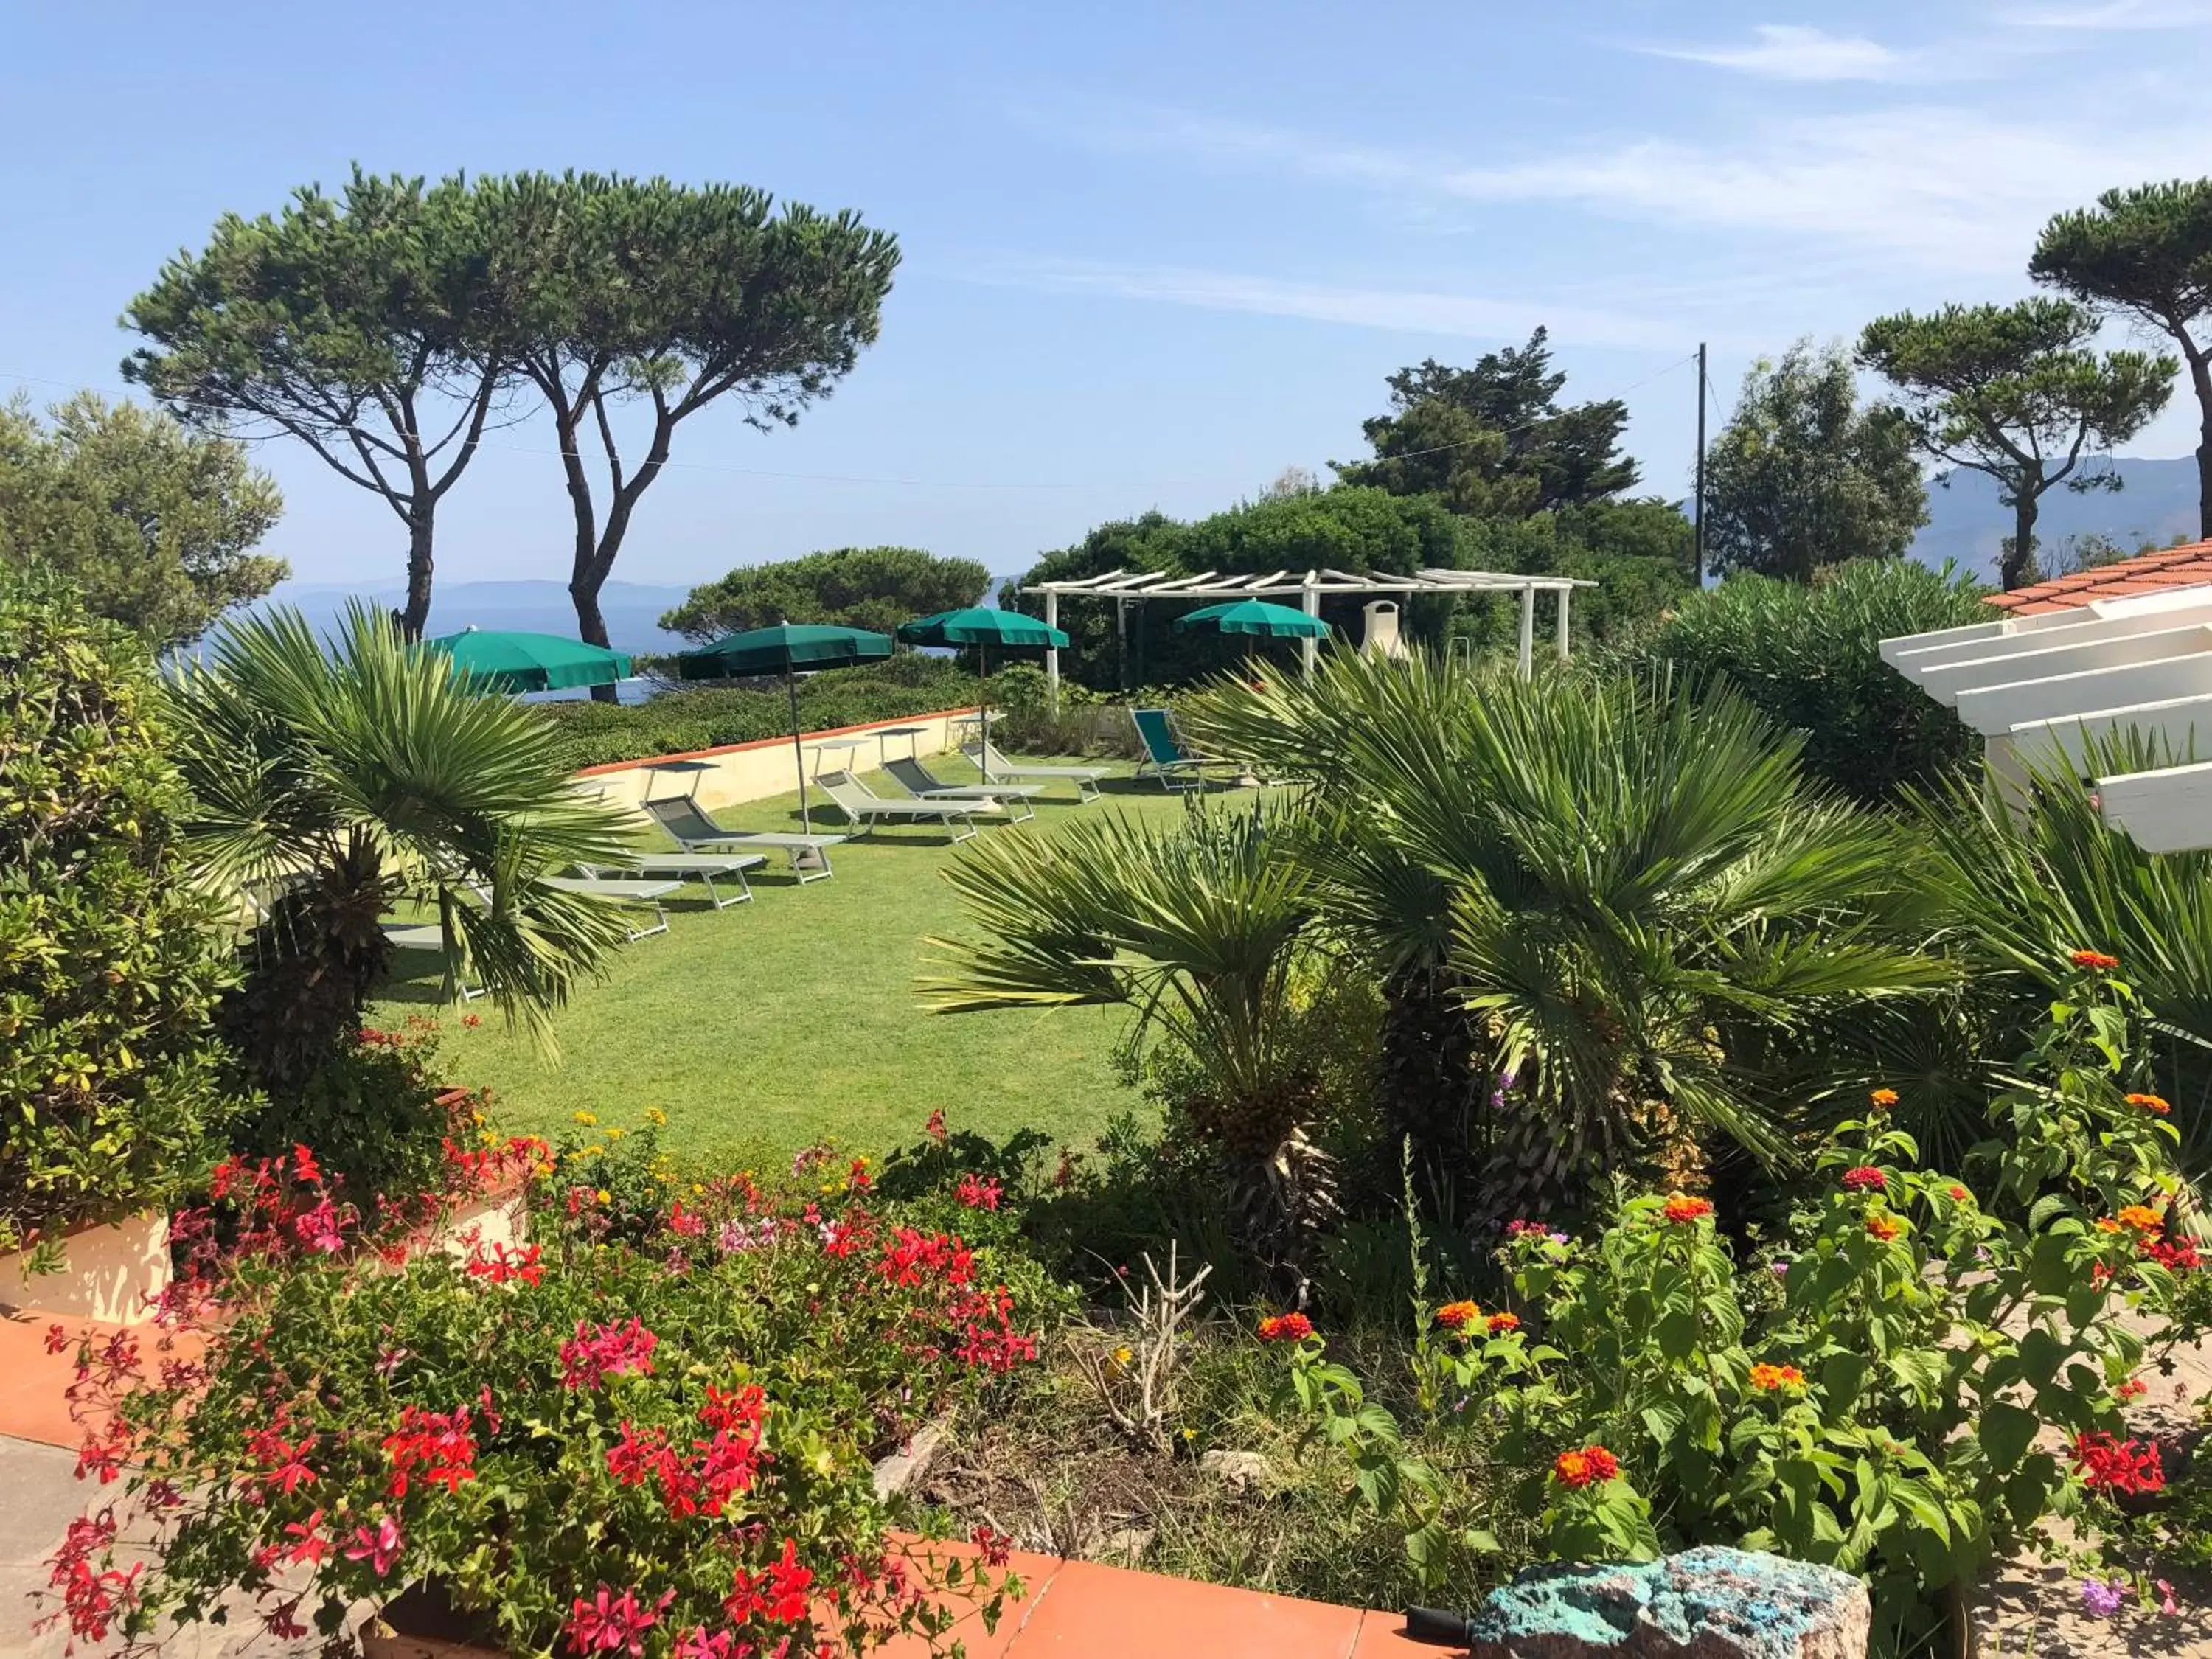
(311, 968)
(1430, 1081)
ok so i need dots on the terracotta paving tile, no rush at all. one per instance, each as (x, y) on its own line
(1382, 1637)
(1037, 1573)
(1093, 1612)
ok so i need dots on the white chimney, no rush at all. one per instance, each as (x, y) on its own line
(1382, 639)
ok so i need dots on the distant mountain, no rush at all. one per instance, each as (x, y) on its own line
(633, 610)
(2156, 502)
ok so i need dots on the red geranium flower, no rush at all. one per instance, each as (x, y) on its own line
(2121, 1465)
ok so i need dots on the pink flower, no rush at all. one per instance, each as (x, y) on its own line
(380, 1546)
(594, 1355)
(609, 1623)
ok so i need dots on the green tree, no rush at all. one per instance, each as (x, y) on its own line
(620, 293)
(1492, 439)
(1637, 552)
(871, 587)
(2146, 252)
(331, 788)
(354, 325)
(1615, 912)
(1808, 656)
(2018, 393)
(1347, 527)
(111, 961)
(154, 523)
(1803, 477)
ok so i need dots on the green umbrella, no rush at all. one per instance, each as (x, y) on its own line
(503, 660)
(1276, 622)
(983, 627)
(786, 650)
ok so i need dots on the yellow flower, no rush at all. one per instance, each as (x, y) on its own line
(589, 1120)
(616, 1132)
(603, 1195)
(697, 1189)
(655, 1116)
(1123, 1356)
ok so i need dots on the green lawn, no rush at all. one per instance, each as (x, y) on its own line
(773, 1024)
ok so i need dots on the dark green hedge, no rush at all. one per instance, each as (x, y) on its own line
(1808, 656)
(598, 734)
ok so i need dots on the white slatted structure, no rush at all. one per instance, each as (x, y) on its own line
(2038, 688)
(1124, 587)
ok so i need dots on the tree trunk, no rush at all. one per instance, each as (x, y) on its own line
(416, 616)
(1428, 1080)
(590, 625)
(2200, 377)
(310, 969)
(2014, 565)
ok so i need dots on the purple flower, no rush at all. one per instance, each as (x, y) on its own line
(2101, 1597)
(1556, 1238)
(1779, 1267)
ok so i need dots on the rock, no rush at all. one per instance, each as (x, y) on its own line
(1707, 1604)
(1239, 1468)
(894, 1473)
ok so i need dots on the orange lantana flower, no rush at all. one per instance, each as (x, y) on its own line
(1884, 1226)
(2154, 1104)
(1680, 1208)
(1882, 1099)
(1769, 1378)
(1585, 1466)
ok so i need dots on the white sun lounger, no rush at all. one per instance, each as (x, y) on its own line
(623, 892)
(694, 831)
(918, 780)
(866, 809)
(676, 866)
(428, 938)
(992, 765)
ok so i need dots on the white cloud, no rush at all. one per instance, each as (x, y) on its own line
(1946, 190)
(1412, 311)
(2112, 15)
(1794, 51)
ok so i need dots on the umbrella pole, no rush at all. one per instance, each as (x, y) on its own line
(983, 702)
(798, 750)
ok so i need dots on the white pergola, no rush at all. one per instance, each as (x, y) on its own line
(1309, 586)
(2037, 688)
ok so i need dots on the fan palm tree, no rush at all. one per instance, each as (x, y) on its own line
(1200, 928)
(333, 786)
(1634, 898)
(2029, 882)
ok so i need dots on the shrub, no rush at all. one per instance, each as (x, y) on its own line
(1890, 1408)
(587, 1442)
(111, 960)
(1807, 657)
(376, 1112)
(678, 722)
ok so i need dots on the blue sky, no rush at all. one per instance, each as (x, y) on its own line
(1154, 254)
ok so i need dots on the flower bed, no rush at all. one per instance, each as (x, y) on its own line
(650, 1426)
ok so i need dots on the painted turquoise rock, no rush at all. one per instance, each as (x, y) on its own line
(1708, 1603)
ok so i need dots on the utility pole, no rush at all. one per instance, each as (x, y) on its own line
(1698, 565)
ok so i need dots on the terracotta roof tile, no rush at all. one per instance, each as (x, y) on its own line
(2169, 567)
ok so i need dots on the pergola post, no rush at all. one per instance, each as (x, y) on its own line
(1528, 654)
(1310, 595)
(1563, 593)
(1052, 653)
